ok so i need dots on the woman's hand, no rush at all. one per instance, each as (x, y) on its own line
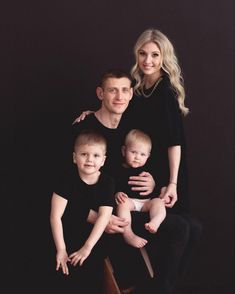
(82, 116)
(169, 195)
(144, 183)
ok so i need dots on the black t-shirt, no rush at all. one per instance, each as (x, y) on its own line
(81, 198)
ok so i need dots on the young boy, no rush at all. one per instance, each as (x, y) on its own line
(86, 189)
(136, 152)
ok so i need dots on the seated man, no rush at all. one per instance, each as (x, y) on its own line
(170, 248)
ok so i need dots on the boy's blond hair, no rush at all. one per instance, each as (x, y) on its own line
(90, 137)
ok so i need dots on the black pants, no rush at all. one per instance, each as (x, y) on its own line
(170, 251)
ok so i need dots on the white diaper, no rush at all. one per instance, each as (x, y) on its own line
(138, 203)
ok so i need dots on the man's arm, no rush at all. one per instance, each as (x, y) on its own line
(116, 224)
(144, 183)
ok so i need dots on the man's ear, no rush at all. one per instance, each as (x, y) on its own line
(123, 150)
(131, 93)
(99, 93)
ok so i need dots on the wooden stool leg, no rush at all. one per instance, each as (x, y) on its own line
(110, 284)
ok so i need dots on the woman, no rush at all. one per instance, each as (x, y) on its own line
(159, 101)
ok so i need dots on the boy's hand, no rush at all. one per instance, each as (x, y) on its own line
(80, 255)
(61, 261)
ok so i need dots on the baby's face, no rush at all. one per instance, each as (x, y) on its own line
(136, 154)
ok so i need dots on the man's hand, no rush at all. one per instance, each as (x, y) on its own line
(144, 183)
(116, 225)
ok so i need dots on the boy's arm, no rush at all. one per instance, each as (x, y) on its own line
(102, 220)
(58, 205)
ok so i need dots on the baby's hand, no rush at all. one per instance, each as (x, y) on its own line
(120, 197)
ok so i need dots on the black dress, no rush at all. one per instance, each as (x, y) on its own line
(160, 117)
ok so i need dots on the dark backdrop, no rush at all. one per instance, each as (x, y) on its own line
(52, 55)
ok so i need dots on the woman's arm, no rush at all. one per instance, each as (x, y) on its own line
(82, 116)
(174, 155)
(102, 220)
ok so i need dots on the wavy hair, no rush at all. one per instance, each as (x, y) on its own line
(169, 64)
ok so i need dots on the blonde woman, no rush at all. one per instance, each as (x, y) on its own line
(158, 108)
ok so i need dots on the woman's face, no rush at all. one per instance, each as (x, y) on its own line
(150, 59)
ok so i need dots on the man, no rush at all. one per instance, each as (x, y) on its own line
(172, 243)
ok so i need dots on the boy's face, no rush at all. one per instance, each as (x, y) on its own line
(115, 95)
(136, 154)
(89, 158)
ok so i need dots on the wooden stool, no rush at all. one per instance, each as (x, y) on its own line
(110, 283)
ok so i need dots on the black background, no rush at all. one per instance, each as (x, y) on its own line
(52, 55)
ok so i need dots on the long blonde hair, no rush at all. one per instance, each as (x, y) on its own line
(169, 64)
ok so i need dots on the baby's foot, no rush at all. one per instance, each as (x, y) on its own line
(134, 240)
(151, 227)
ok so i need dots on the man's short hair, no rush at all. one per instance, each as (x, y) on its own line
(114, 73)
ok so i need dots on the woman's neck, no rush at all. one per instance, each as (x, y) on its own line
(150, 80)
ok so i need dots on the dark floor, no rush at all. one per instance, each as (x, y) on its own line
(205, 290)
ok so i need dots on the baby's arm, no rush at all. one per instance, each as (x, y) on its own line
(58, 205)
(102, 220)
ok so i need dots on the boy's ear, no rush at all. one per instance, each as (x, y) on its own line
(74, 159)
(123, 150)
(104, 160)
(99, 93)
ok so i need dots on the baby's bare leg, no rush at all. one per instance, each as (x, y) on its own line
(157, 213)
(124, 211)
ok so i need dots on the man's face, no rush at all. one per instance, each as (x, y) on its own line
(115, 95)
